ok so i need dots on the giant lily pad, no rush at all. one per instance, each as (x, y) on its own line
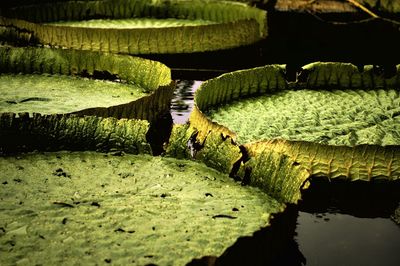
(334, 117)
(45, 86)
(335, 105)
(140, 27)
(70, 132)
(93, 208)
(61, 94)
(51, 81)
(132, 23)
(335, 121)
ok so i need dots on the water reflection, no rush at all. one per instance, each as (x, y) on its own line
(337, 223)
(182, 102)
(342, 239)
(342, 223)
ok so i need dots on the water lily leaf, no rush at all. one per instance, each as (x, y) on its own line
(347, 115)
(215, 149)
(69, 132)
(361, 162)
(219, 152)
(141, 27)
(280, 175)
(336, 121)
(335, 117)
(58, 94)
(325, 75)
(283, 167)
(388, 6)
(240, 84)
(179, 141)
(132, 23)
(13, 36)
(147, 74)
(160, 214)
(55, 81)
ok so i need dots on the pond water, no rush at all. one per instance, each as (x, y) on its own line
(333, 226)
(182, 103)
(343, 239)
(343, 223)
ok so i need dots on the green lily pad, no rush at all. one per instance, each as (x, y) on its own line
(140, 27)
(12, 36)
(331, 103)
(54, 81)
(132, 23)
(50, 105)
(335, 121)
(334, 117)
(58, 94)
(147, 74)
(70, 132)
(94, 208)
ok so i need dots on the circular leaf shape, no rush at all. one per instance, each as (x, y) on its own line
(191, 26)
(56, 81)
(90, 207)
(335, 121)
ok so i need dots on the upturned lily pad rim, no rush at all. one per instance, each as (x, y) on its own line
(259, 81)
(264, 160)
(236, 25)
(268, 79)
(152, 77)
(146, 73)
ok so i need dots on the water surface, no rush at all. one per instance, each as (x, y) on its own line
(333, 239)
(182, 103)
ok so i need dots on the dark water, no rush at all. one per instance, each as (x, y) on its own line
(335, 224)
(182, 103)
(343, 239)
(341, 223)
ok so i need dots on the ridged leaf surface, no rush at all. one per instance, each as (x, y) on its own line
(93, 208)
(69, 132)
(132, 23)
(338, 117)
(207, 25)
(63, 89)
(57, 94)
(335, 121)
(147, 74)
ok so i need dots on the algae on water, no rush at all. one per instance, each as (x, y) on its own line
(91, 208)
(337, 117)
(55, 94)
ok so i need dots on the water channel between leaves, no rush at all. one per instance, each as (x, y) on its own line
(182, 103)
(332, 239)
